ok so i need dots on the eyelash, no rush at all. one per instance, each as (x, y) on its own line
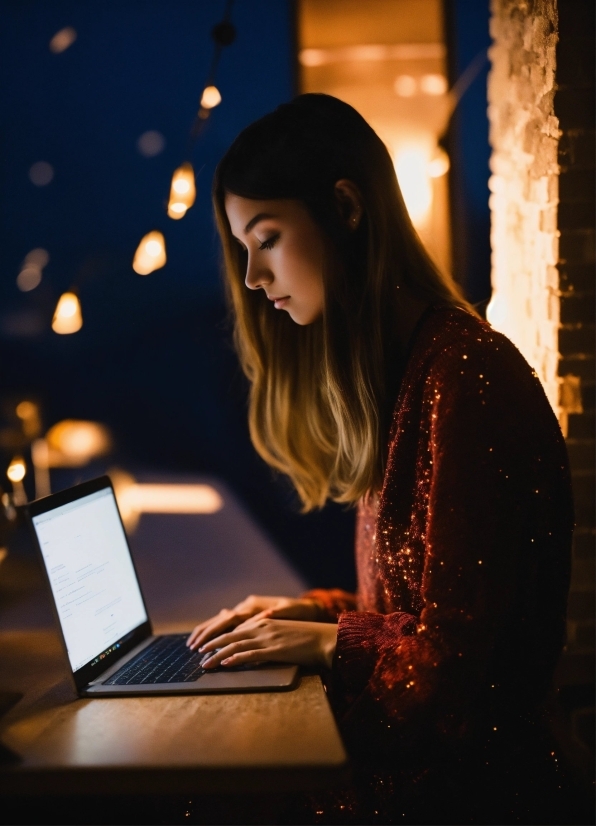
(269, 243)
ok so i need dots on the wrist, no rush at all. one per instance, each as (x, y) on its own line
(315, 608)
(328, 644)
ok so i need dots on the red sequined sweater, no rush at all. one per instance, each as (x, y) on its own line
(463, 557)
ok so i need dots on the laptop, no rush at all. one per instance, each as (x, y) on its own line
(104, 623)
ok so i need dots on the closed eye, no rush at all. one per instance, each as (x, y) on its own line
(269, 243)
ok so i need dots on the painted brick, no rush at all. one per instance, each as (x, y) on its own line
(577, 185)
(581, 426)
(577, 246)
(584, 543)
(581, 453)
(576, 148)
(576, 309)
(584, 490)
(573, 214)
(578, 338)
(575, 106)
(582, 366)
(581, 605)
(588, 395)
(578, 276)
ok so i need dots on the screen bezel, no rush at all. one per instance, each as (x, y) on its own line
(83, 675)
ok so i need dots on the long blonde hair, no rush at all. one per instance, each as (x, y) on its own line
(321, 395)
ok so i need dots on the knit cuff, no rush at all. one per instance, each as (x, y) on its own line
(357, 650)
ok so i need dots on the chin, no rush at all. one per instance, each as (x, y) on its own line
(304, 320)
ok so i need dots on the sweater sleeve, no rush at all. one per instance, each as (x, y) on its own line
(332, 602)
(495, 568)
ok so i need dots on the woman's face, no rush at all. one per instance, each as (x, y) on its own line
(285, 251)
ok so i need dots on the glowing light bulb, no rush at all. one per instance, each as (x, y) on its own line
(17, 469)
(433, 84)
(150, 254)
(411, 166)
(73, 442)
(405, 86)
(182, 191)
(67, 316)
(211, 97)
(439, 165)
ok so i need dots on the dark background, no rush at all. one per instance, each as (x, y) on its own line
(153, 359)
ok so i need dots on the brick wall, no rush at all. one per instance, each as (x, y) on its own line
(574, 106)
(541, 113)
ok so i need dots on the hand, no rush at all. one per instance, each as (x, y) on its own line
(262, 639)
(254, 606)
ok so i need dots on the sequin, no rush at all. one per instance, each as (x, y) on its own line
(458, 614)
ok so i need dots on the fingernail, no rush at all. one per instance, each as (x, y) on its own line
(226, 661)
(201, 649)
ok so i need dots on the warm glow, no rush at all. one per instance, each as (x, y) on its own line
(67, 316)
(150, 254)
(412, 168)
(29, 278)
(182, 191)
(433, 84)
(73, 443)
(405, 86)
(27, 410)
(211, 97)
(180, 187)
(176, 210)
(62, 40)
(439, 165)
(17, 469)
(170, 498)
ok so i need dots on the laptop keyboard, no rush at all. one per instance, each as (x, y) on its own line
(167, 660)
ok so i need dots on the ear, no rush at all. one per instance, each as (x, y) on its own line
(349, 202)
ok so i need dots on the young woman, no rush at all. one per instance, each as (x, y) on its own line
(374, 383)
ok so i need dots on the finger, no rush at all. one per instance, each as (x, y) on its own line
(229, 651)
(242, 632)
(254, 656)
(213, 626)
(197, 630)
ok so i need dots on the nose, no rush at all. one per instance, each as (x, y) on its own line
(257, 277)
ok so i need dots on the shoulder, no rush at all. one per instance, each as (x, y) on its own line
(456, 347)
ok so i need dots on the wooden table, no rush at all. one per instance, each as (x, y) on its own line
(218, 743)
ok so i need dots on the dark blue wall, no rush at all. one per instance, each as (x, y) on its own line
(153, 359)
(466, 24)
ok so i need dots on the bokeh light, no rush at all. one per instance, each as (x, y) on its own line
(151, 143)
(41, 173)
(62, 40)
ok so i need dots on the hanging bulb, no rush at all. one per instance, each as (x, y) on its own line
(182, 191)
(211, 97)
(150, 254)
(67, 316)
(17, 469)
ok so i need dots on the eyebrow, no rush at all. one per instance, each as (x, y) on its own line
(253, 221)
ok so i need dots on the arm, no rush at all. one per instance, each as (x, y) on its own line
(495, 569)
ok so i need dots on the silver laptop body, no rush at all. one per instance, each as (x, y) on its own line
(101, 612)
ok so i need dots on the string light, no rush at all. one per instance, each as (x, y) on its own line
(439, 165)
(67, 316)
(182, 191)
(211, 97)
(17, 469)
(150, 254)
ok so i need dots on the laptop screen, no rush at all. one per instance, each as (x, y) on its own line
(95, 587)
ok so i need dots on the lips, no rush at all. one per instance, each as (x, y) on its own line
(280, 302)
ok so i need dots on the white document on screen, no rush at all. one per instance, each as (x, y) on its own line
(91, 575)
